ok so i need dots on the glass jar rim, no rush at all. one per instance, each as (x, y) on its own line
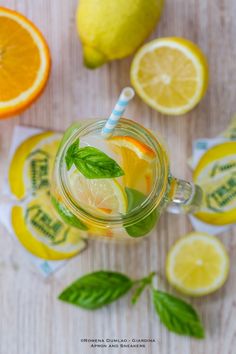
(148, 205)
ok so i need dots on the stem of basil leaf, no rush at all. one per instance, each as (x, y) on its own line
(143, 282)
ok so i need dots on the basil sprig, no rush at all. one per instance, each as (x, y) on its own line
(142, 283)
(92, 162)
(97, 289)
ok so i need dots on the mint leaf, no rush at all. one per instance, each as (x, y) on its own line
(177, 315)
(71, 153)
(93, 163)
(141, 228)
(67, 216)
(96, 289)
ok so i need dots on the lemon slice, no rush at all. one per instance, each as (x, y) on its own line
(102, 196)
(197, 264)
(216, 174)
(136, 160)
(31, 166)
(170, 74)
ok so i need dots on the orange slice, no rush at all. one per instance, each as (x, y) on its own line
(137, 161)
(24, 62)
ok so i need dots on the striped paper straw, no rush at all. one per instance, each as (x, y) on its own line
(126, 95)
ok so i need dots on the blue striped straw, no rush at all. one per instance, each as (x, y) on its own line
(126, 95)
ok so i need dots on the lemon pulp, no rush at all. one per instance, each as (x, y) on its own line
(170, 74)
(197, 264)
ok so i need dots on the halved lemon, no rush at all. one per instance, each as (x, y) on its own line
(31, 166)
(170, 74)
(215, 173)
(24, 62)
(102, 196)
(197, 264)
(137, 161)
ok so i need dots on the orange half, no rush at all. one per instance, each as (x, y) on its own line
(24, 62)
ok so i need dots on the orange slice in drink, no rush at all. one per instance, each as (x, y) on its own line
(24, 62)
(137, 161)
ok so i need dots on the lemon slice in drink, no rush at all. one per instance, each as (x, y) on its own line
(136, 160)
(216, 174)
(170, 75)
(99, 196)
(197, 264)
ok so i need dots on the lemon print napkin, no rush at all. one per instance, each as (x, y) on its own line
(29, 214)
(214, 169)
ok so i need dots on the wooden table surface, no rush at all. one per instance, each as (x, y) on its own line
(32, 320)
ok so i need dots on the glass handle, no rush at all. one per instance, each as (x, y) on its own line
(185, 198)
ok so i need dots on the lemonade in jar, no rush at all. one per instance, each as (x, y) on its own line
(117, 187)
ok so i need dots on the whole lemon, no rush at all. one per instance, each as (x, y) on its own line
(114, 29)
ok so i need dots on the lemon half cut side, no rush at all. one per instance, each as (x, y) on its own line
(170, 75)
(197, 264)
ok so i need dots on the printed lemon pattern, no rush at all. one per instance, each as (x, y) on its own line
(41, 231)
(32, 164)
(36, 223)
(216, 174)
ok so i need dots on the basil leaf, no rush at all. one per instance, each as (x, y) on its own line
(140, 228)
(67, 216)
(69, 131)
(93, 163)
(71, 153)
(177, 315)
(96, 289)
